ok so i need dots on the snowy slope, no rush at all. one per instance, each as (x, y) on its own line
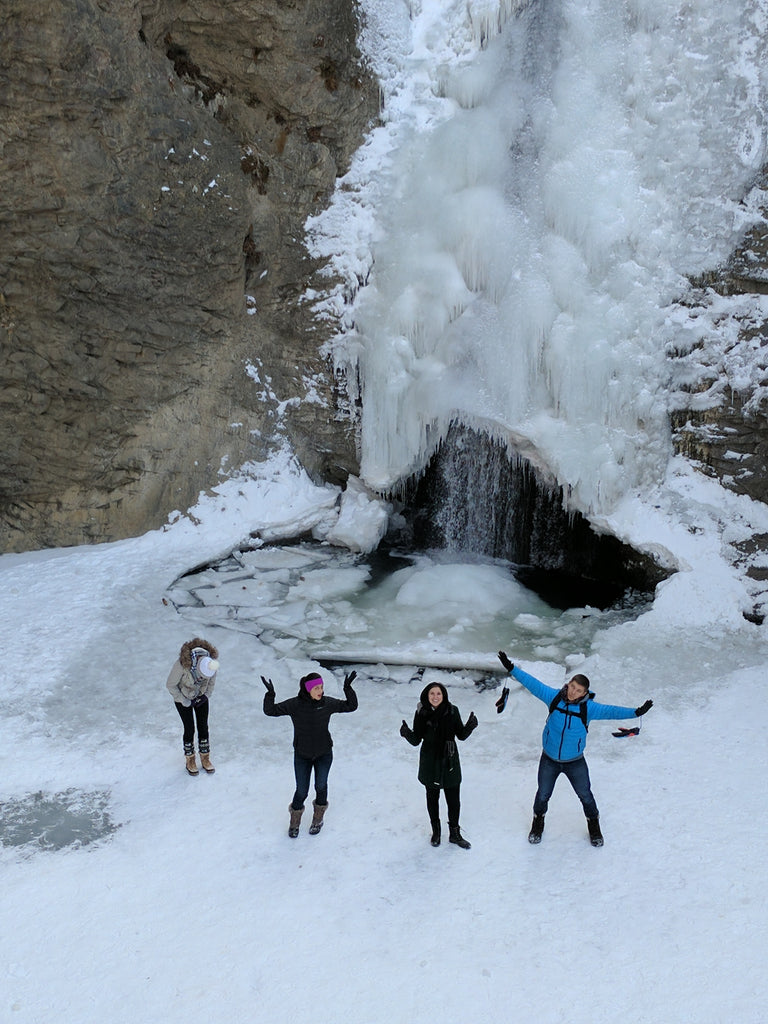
(199, 906)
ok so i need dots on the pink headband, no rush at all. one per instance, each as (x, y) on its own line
(312, 682)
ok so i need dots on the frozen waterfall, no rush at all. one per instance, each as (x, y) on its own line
(515, 234)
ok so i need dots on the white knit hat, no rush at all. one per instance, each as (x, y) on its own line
(207, 666)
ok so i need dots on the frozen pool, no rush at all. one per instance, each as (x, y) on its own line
(414, 609)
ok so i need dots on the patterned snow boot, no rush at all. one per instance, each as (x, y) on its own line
(205, 756)
(189, 754)
(293, 827)
(317, 817)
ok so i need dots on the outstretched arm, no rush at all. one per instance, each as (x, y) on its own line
(534, 686)
(616, 711)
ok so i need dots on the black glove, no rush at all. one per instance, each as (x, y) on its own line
(404, 730)
(268, 685)
(472, 722)
(501, 703)
(348, 680)
(644, 708)
(505, 661)
(623, 733)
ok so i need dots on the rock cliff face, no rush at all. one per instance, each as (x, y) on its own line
(721, 415)
(157, 162)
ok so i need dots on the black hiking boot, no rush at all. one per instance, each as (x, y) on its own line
(537, 829)
(456, 837)
(435, 840)
(595, 835)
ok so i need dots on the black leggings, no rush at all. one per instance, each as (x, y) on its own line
(451, 798)
(188, 716)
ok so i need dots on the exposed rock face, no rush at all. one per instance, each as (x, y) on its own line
(720, 421)
(157, 163)
(721, 418)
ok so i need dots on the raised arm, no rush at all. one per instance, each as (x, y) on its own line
(464, 731)
(270, 708)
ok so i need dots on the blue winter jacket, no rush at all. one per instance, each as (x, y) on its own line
(565, 737)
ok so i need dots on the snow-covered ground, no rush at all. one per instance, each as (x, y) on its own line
(194, 904)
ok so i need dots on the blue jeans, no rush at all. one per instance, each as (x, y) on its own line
(302, 767)
(577, 774)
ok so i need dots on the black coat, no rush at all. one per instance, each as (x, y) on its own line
(437, 730)
(311, 736)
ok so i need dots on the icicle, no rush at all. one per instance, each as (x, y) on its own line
(488, 17)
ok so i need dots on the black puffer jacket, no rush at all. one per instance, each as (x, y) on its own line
(311, 736)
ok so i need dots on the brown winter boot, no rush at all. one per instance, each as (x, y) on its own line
(317, 817)
(189, 754)
(205, 757)
(293, 827)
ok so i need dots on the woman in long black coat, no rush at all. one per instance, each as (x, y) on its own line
(436, 726)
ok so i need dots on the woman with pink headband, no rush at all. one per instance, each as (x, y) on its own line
(310, 711)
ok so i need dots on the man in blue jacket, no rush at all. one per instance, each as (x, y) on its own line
(571, 709)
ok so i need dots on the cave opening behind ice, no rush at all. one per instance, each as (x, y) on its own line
(477, 497)
(481, 553)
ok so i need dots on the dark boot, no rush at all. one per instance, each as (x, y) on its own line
(205, 756)
(191, 765)
(293, 827)
(537, 829)
(317, 817)
(456, 837)
(595, 835)
(435, 840)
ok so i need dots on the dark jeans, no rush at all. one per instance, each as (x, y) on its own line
(302, 767)
(188, 716)
(577, 774)
(451, 798)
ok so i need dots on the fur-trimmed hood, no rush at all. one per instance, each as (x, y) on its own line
(185, 654)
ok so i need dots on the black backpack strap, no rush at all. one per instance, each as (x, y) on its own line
(582, 708)
(583, 713)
